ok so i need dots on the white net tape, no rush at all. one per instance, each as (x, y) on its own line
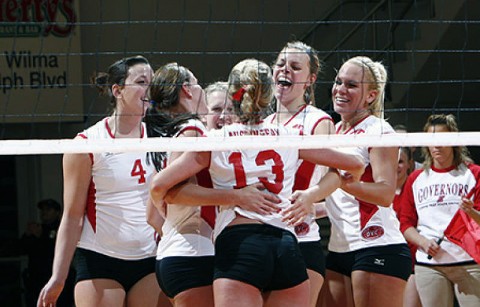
(59, 146)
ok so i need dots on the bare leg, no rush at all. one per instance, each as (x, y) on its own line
(336, 291)
(294, 296)
(198, 297)
(234, 293)
(377, 290)
(316, 282)
(99, 292)
(146, 292)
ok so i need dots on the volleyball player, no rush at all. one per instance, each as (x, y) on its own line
(185, 252)
(255, 253)
(105, 195)
(295, 72)
(368, 261)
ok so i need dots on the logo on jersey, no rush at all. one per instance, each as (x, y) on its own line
(440, 199)
(373, 232)
(358, 131)
(302, 229)
(298, 126)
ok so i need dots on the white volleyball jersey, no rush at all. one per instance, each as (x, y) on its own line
(430, 200)
(275, 168)
(357, 224)
(186, 230)
(115, 219)
(308, 174)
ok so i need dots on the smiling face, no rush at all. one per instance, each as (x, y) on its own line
(132, 96)
(220, 110)
(292, 76)
(350, 92)
(442, 156)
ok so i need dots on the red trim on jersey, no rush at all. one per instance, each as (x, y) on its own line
(191, 128)
(142, 132)
(91, 206)
(397, 207)
(318, 122)
(108, 129)
(206, 212)
(367, 210)
(85, 137)
(352, 127)
(294, 115)
(273, 118)
(443, 170)
(303, 176)
(305, 171)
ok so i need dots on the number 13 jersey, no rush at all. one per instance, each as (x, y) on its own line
(275, 168)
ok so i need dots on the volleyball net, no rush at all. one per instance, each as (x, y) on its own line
(51, 48)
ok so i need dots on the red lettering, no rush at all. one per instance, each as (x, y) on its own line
(25, 5)
(37, 12)
(10, 8)
(59, 14)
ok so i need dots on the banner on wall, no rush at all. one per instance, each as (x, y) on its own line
(40, 63)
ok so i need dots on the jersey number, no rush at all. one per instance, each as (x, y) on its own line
(138, 170)
(277, 169)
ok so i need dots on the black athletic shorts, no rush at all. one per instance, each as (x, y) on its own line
(177, 274)
(261, 255)
(393, 260)
(92, 265)
(314, 257)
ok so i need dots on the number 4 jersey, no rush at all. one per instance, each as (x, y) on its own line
(115, 219)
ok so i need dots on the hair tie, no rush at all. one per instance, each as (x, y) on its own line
(238, 95)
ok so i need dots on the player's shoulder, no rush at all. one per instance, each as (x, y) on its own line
(98, 130)
(192, 125)
(313, 111)
(376, 125)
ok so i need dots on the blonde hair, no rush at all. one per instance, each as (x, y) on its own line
(376, 76)
(250, 87)
(460, 153)
(219, 86)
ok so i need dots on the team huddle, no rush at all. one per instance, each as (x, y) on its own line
(238, 227)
